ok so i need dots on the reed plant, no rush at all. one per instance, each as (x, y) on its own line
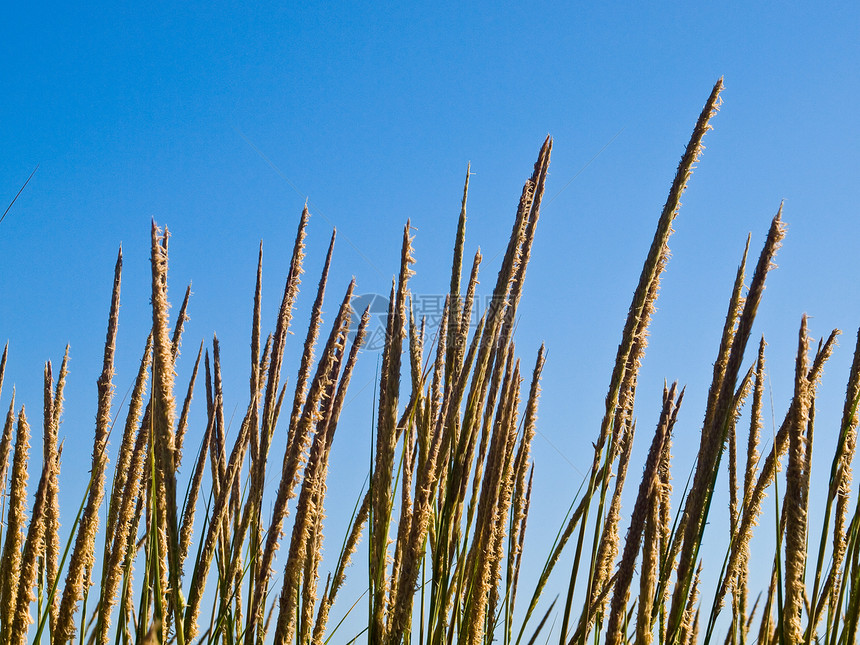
(155, 556)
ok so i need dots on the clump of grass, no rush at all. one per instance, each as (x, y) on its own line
(445, 513)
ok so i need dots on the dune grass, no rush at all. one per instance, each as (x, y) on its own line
(443, 518)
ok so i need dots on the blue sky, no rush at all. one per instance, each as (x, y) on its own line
(219, 120)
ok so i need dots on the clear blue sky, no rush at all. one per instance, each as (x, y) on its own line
(220, 120)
